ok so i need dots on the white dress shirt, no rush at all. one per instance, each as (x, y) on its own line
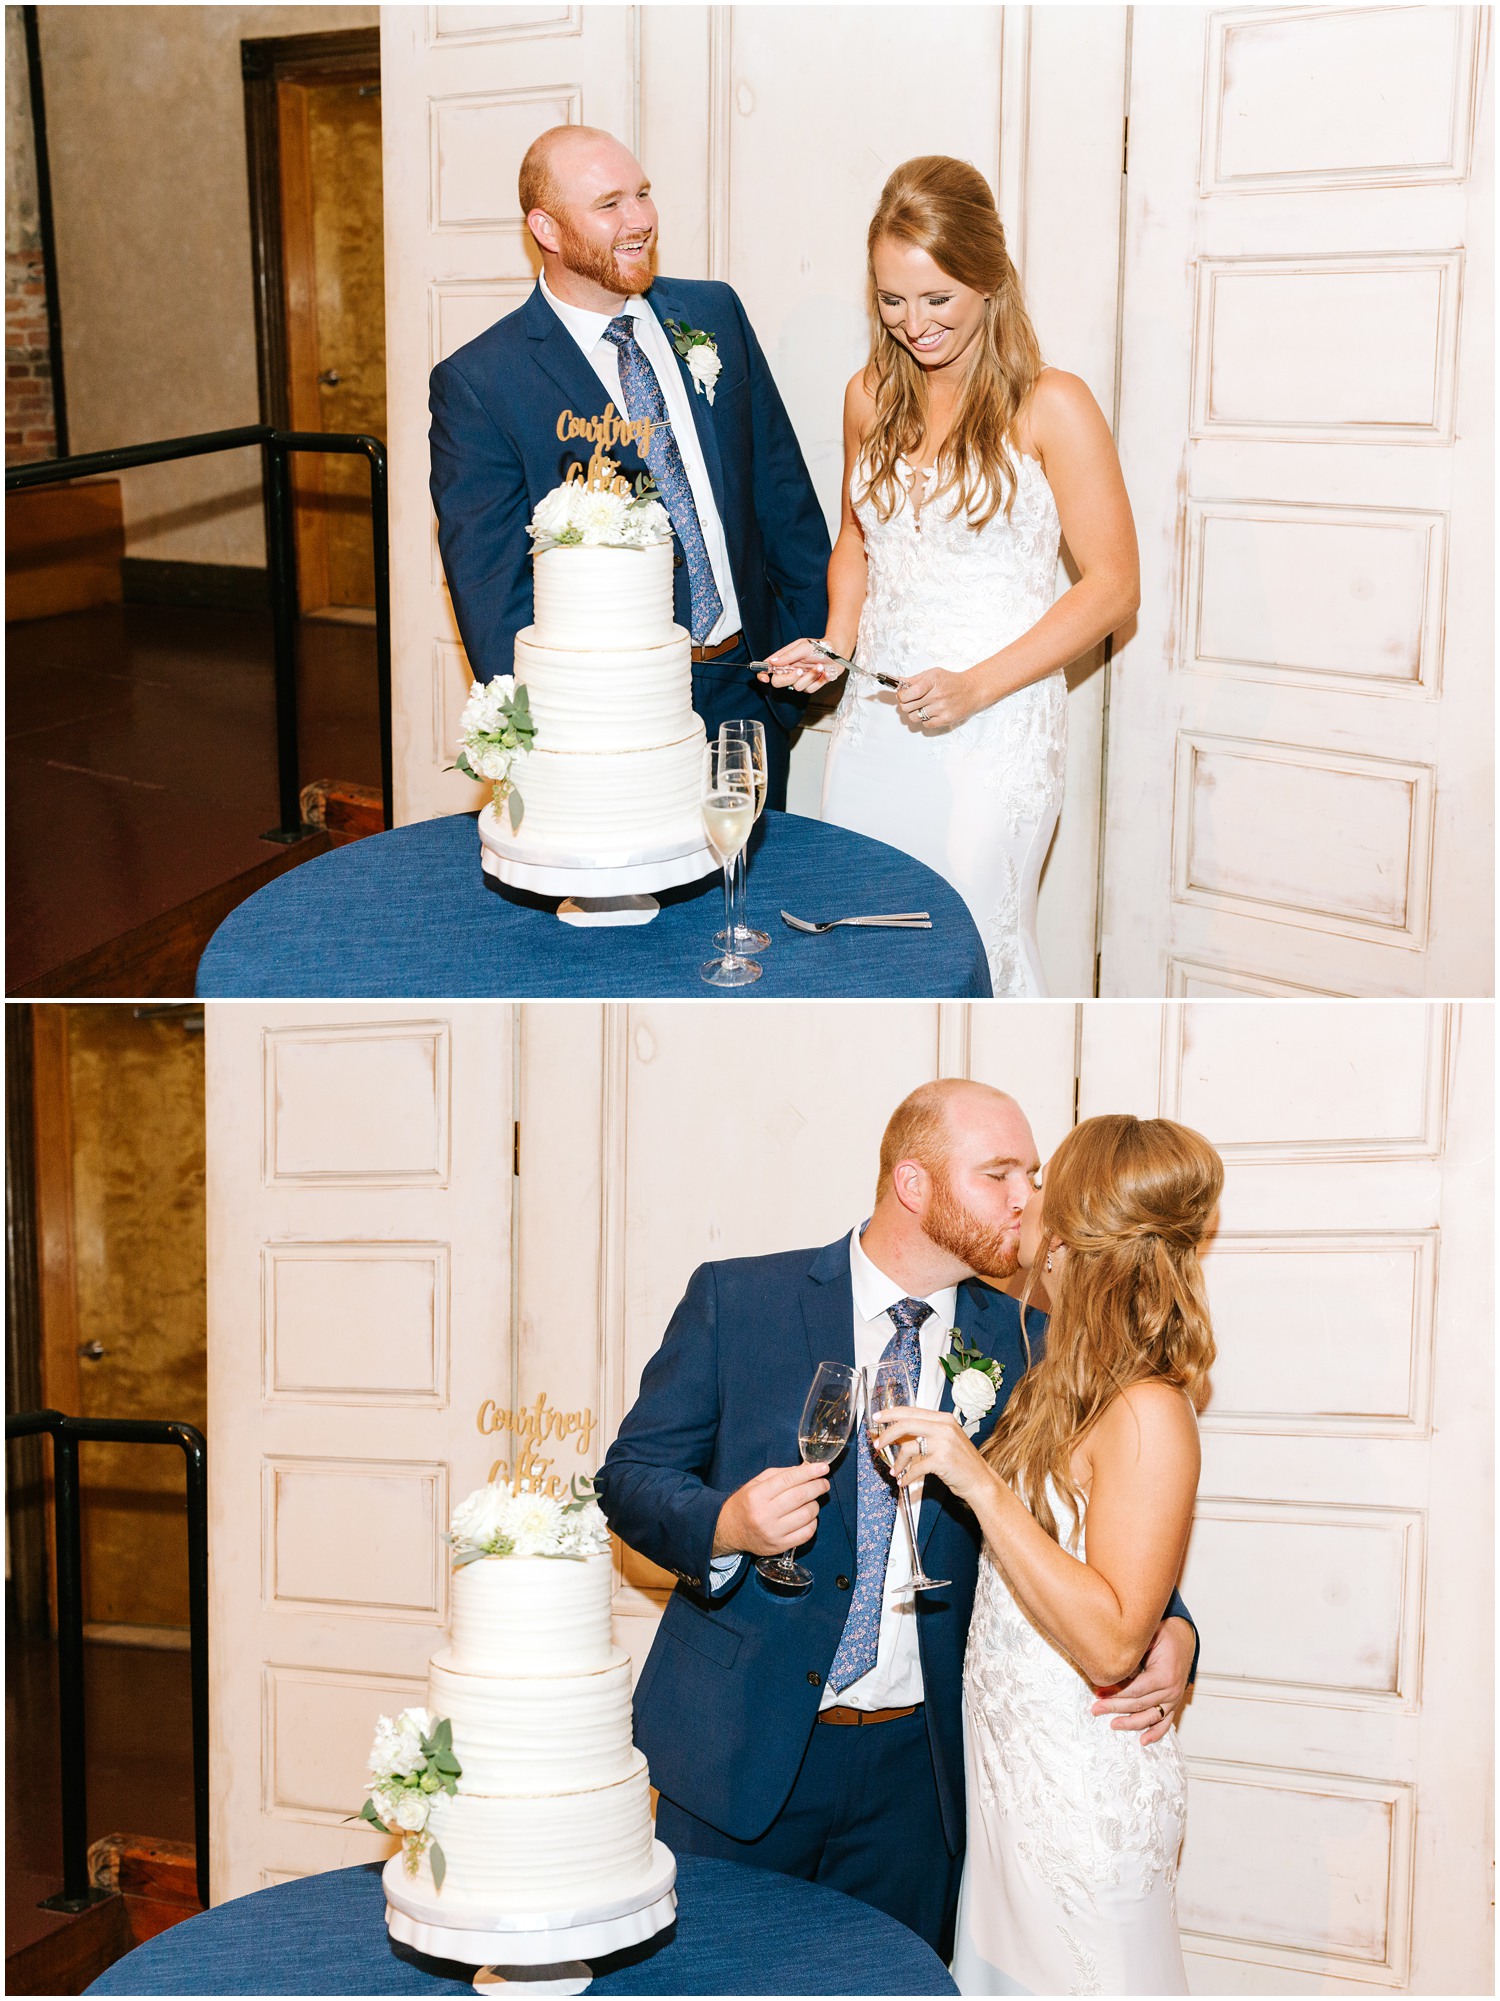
(896, 1678)
(587, 329)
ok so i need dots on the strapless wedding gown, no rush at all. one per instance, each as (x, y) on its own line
(1070, 1874)
(978, 803)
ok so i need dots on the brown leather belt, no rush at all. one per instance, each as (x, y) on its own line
(841, 1714)
(703, 653)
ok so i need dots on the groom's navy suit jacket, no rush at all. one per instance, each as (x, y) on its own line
(729, 1694)
(495, 452)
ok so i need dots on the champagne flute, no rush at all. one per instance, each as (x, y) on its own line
(828, 1417)
(893, 1385)
(728, 798)
(753, 733)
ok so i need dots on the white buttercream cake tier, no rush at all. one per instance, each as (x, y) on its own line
(609, 600)
(587, 699)
(521, 1735)
(531, 1615)
(543, 1853)
(611, 802)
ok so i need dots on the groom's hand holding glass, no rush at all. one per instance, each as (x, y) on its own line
(774, 1512)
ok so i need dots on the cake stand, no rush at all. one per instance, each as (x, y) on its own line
(524, 1951)
(596, 889)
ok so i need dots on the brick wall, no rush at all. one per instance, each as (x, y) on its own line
(30, 428)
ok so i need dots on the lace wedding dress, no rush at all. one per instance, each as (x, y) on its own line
(978, 803)
(1069, 1883)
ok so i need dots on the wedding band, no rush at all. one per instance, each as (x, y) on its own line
(924, 715)
(1161, 1710)
(921, 1445)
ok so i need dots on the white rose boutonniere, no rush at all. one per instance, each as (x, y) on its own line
(976, 1382)
(697, 349)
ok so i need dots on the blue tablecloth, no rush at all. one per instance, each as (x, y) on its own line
(410, 913)
(738, 1931)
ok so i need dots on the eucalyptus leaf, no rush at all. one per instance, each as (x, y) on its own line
(517, 809)
(464, 765)
(367, 1812)
(439, 1867)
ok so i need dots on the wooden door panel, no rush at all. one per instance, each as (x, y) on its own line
(1297, 739)
(359, 1291)
(1336, 1821)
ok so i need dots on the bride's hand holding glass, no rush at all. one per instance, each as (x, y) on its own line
(932, 1441)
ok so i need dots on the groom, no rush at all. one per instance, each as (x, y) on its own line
(750, 537)
(821, 1735)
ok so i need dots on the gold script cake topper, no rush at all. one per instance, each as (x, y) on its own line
(533, 1425)
(602, 474)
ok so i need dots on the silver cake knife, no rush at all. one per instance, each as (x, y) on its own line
(860, 673)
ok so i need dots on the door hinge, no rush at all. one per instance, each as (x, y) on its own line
(515, 1150)
(1125, 150)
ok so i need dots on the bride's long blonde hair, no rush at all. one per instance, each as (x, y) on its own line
(945, 207)
(1130, 1200)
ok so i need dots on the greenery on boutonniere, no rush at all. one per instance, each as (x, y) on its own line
(411, 1762)
(975, 1377)
(699, 352)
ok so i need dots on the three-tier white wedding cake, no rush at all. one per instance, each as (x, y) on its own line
(552, 1805)
(616, 767)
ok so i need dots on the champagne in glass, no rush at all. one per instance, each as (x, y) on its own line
(893, 1386)
(754, 733)
(828, 1417)
(728, 800)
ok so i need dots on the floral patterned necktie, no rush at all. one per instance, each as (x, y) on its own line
(643, 398)
(877, 1516)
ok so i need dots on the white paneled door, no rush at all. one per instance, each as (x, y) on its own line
(1301, 727)
(465, 90)
(359, 1181)
(1340, 1739)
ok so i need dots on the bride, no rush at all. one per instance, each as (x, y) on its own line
(1069, 1880)
(963, 458)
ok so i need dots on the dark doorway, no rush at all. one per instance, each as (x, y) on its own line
(312, 121)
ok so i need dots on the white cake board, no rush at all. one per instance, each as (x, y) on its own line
(526, 1951)
(612, 889)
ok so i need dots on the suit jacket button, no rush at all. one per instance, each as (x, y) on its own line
(815, 1678)
(842, 1583)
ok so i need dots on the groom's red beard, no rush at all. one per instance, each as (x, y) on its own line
(953, 1228)
(595, 261)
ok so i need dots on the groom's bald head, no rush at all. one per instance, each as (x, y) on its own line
(556, 160)
(588, 206)
(924, 1124)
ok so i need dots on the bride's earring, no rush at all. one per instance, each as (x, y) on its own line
(1049, 1260)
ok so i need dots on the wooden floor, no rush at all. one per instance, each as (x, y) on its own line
(138, 1734)
(141, 763)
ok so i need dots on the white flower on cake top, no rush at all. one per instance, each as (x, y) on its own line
(588, 515)
(506, 1520)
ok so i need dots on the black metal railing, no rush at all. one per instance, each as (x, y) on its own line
(281, 560)
(66, 1434)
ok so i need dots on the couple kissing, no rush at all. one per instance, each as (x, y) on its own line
(993, 1762)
